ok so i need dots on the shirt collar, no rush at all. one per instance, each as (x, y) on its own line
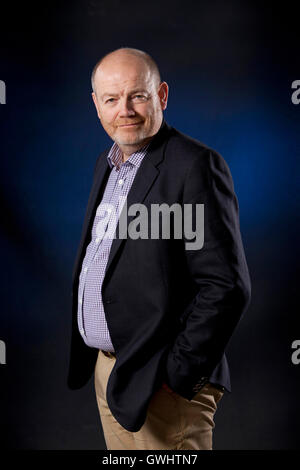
(114, 156)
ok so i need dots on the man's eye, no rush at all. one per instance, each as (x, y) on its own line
(140, 97)
(110, 100)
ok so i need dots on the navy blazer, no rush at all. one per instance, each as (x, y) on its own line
(170, 311)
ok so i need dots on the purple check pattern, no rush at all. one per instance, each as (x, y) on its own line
(91, 316)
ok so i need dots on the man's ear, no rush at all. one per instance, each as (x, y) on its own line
(94, 96)
(163, 93)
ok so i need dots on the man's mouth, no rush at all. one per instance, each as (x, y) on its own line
(132, 124)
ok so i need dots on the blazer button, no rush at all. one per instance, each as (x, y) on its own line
(108, 301)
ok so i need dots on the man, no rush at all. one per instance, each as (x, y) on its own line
(152, 315)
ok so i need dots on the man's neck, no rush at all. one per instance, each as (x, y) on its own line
(128, 150)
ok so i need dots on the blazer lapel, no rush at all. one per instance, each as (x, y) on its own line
(144, 179)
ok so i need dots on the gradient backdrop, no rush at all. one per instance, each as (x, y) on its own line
(229, 66)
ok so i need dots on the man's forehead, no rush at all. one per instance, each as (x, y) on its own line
(119, 83)
(114, 70)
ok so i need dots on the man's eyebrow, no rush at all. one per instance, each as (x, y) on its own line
(108, 94)
(132, 92)
(138, 90)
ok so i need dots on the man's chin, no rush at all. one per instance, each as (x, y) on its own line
(134, 140)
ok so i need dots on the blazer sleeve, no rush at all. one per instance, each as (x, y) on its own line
(219, 271)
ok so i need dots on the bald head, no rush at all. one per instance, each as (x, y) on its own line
(129, 97)
(136, 57)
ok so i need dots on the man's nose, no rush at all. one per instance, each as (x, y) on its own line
(126, 108)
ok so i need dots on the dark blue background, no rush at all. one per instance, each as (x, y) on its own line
(229, 66)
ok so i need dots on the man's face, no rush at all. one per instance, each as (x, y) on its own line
(129, 101)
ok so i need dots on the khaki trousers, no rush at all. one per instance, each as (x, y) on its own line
(172, 421)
